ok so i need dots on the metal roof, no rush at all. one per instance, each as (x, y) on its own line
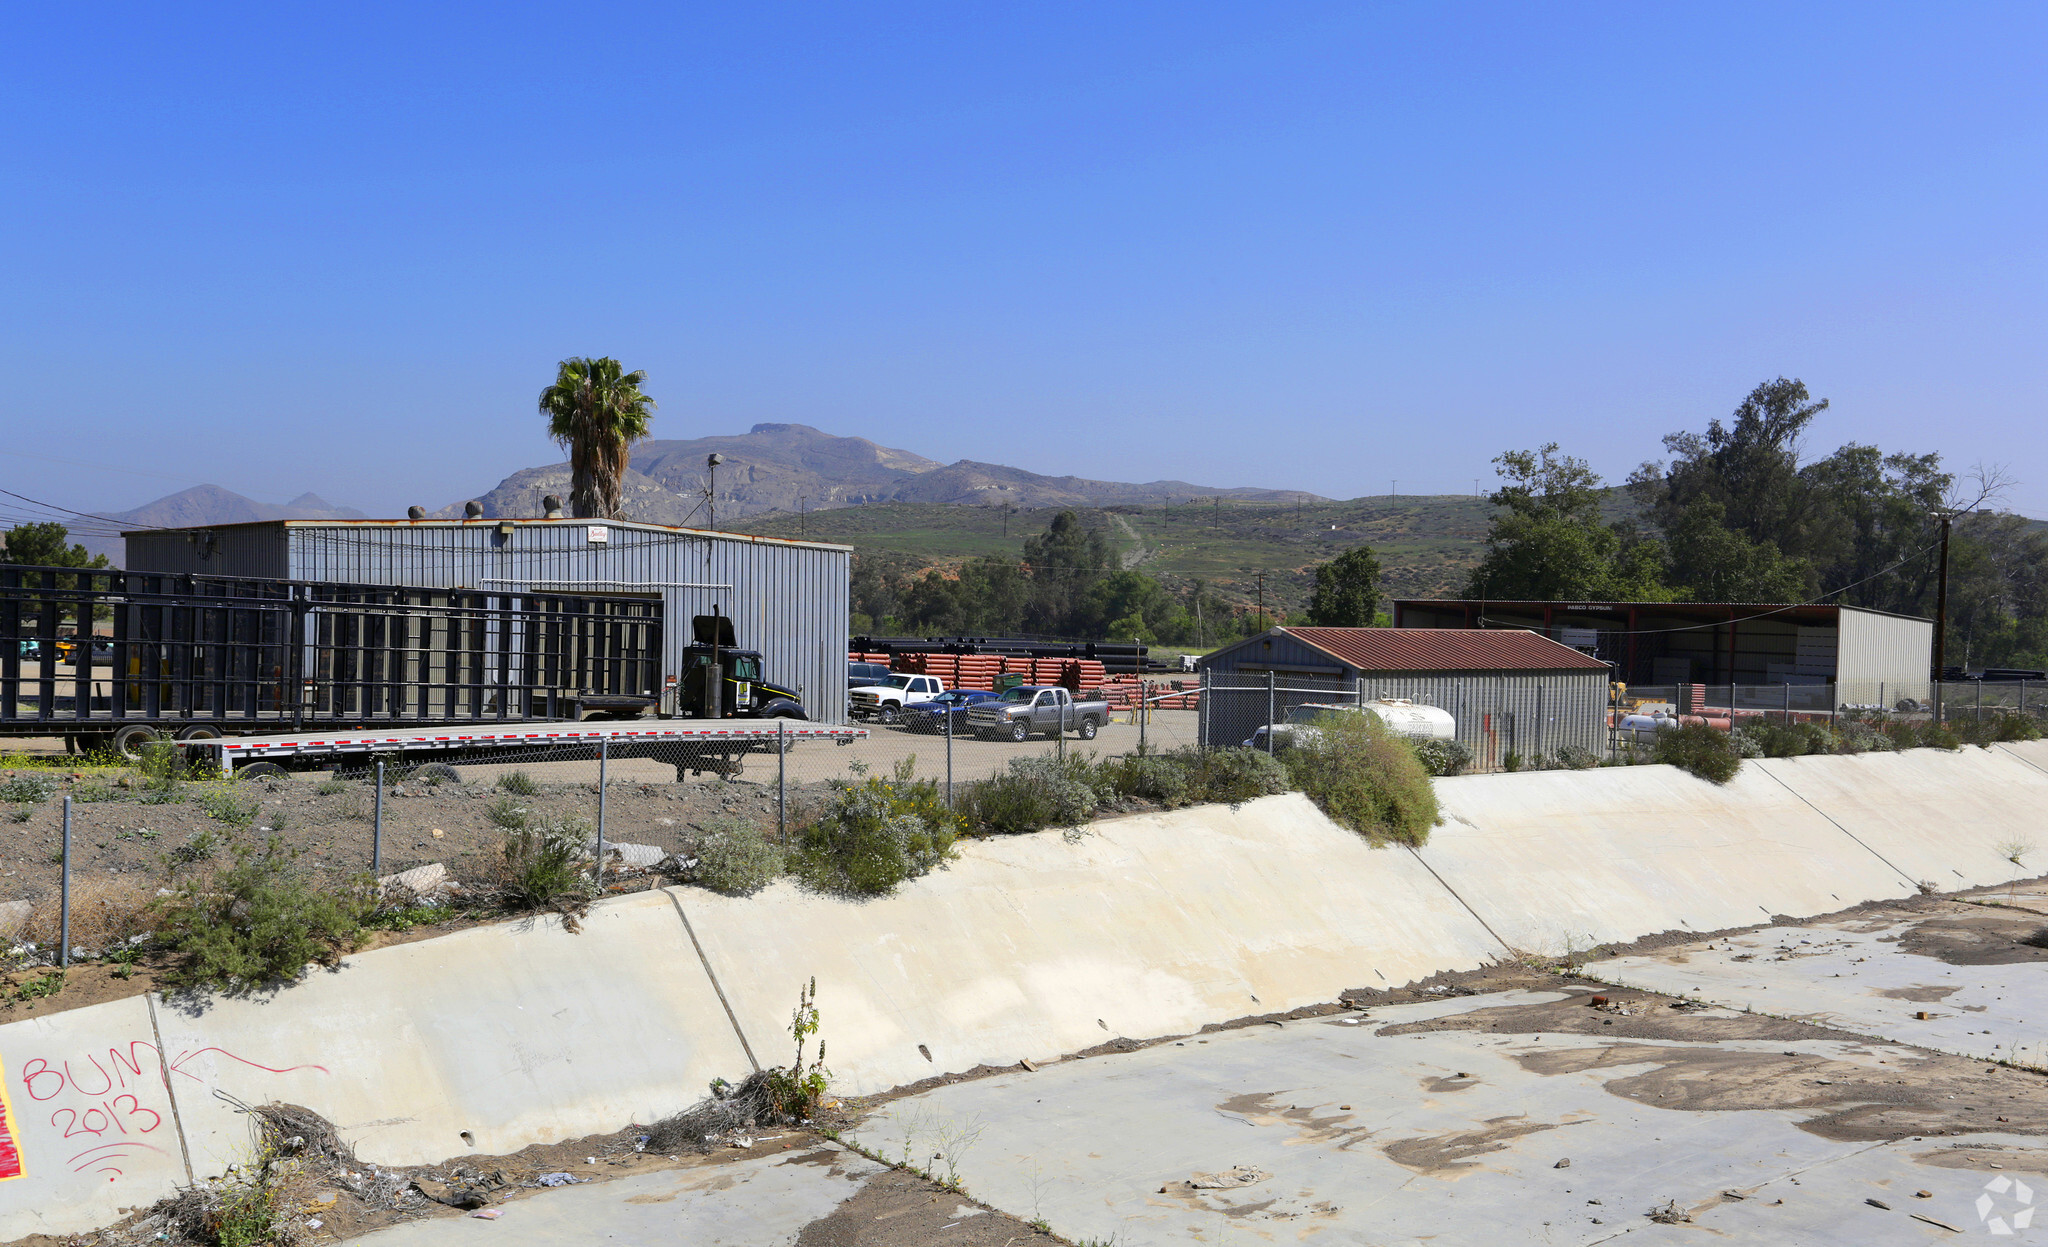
(492, 522)
(1444, 649)
(1687, 610)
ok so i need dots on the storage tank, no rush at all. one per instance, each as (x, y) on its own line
(1410, 718)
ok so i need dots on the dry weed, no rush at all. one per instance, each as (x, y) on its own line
(105, 912)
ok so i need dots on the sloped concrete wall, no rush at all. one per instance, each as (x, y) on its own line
(1027, 946)
(1561, 860)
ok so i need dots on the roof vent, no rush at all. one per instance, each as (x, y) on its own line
(551, 507)
(472, 510)
(415, 513)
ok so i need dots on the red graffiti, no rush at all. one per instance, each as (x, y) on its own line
(100, 1103)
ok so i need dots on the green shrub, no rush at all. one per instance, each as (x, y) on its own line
(735, 858)
(1032, 794)
(224, 804)
(1232, 776)
(518, 783)
(258, 921)
(198, 847)
(28, 788)
(543, 862)
(506, 812)
(1575, 758)
(1365, 777)
(1165, 778)
(93, 790)
(331, 787)
(1705, 751)
(875, 833)
(2014, 727)
(1936, 736)
(1439, 756)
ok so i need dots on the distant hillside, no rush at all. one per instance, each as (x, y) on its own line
(209, 504)
(794, 467)
(1426, 545)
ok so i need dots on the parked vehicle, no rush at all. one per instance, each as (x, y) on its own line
(746, 692)
(931, 716)
(862, 674)
(886, 700)
(1405, 717)
(1034, 710)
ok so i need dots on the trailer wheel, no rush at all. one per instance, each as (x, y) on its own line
(131, 739)
(199, 731)
(259, 770)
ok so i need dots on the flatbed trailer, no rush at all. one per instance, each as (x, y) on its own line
(719, 748)
(191, 657)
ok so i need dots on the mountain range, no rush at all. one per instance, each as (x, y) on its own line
(794, 467)
(771, 468)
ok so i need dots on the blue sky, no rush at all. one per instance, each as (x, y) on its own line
(340, 248)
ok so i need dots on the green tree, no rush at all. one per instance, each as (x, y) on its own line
(1347, 590)
(596, 411)
(47, 545)
(1065, 560)
(1549, 541)
(1712, 562)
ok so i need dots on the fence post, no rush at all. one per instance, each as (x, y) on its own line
(64, 889)
(782, 781)
(377, 826)
(1142, 716)
(1202, 700)
(949, 757)
(1270, 689)
(1980, 701)
(604, 758)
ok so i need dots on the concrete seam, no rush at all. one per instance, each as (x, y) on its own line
(705, 961)
(2022, 761)
(1838, 827)
(1417, 854)
(171, 1093)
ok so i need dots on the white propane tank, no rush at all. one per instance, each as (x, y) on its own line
(1411, 719)
(1644, 727)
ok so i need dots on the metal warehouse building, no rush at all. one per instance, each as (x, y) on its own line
(1867, 656)
(787, 599)
(1507, 691)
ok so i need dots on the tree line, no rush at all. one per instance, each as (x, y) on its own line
(1740, 514)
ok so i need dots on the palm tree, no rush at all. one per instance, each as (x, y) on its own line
(596, 411)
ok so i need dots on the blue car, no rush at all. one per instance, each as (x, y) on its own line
(930, 716)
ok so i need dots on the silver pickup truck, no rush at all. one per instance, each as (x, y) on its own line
(1036, 709)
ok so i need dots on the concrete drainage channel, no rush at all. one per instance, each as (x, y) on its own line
(1034, 947)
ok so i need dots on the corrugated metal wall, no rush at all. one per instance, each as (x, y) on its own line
(242, 550)
(788, 600)
(1533, 714)
(1885, 649)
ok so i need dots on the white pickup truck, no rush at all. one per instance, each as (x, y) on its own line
(885, 701)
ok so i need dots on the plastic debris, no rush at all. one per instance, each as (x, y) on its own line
(558, 1179)
(486, 1214)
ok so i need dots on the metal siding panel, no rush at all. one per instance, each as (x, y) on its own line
(1874, 649)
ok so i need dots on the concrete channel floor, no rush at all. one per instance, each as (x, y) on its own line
(1955, 976)
(1376, 1131)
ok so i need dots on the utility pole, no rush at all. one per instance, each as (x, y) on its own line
(1262, 601)
(803, 511)
(1216, 515)
(1941, 610)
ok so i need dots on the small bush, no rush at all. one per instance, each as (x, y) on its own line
(224, 804)
(198, 847)
(1574, 758)
(506, 812)
(28, 788)
(1164, 778)
(1704, 751)
(1033, 794)
(543, 862)
(331, 787)
(735, 858)
(1365, 777)
(1936, 736)
(93, 790)
(21, 813)
(259, 921)
(106, 913)
(2014, 727)
(1232, 776)
(876, 833)
(1439, 756)
(518, 783)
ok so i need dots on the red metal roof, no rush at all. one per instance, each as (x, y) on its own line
(1444, 649)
